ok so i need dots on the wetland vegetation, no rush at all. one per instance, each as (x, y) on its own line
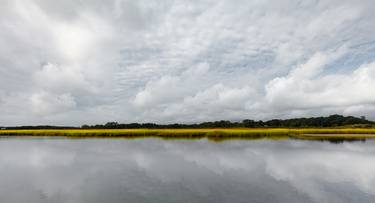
(212, 134)
(318, 128)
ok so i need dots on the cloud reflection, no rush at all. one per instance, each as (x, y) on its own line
(153, 170)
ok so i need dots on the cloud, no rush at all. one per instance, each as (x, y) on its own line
(57, 78)
(45, 104)
(159, 60)
(169, 89)
(307, 87)
(59, 89)
(218, 101)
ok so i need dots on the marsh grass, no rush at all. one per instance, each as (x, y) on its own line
(211, 134)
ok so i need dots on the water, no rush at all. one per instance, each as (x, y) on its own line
(37, 170)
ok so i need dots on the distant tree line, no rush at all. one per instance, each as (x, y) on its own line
(38, 127)
(330, 121)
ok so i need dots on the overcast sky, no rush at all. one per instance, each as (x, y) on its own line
(91, 61)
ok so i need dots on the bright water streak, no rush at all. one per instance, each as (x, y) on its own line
(37, 170)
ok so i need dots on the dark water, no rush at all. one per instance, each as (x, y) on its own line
(152, 170)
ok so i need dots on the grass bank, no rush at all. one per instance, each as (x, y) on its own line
(213, 134)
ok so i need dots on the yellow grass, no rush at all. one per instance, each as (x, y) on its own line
(214, 134)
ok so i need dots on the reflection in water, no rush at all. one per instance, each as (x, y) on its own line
(153, 170)
(335, 140)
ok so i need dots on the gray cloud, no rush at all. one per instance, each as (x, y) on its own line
(164, 61)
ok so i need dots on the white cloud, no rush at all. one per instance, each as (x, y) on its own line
(46, 104)
(169, 89)
(57, 78)
(306, 87)
(167, 61)
(164, 90)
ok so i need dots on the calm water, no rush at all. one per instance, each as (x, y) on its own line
(37, 170)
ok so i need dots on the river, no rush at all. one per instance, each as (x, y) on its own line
(38, 170)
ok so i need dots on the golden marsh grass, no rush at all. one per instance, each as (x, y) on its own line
(212, 134)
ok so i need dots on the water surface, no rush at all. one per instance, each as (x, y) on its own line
(37, 170)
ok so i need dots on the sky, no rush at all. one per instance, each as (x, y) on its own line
(77, 62)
